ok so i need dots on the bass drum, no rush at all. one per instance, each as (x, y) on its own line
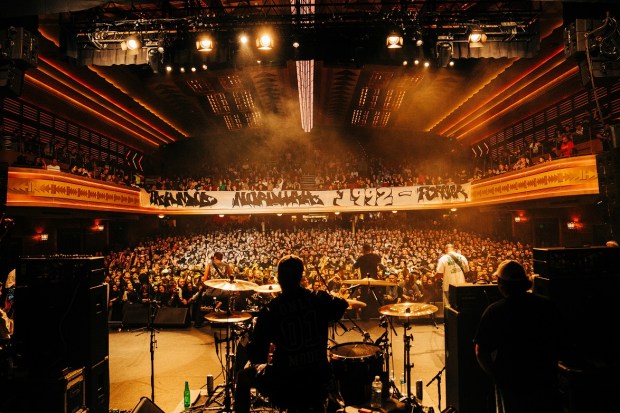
(355, 366)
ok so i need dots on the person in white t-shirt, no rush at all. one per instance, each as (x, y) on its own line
(452, 267)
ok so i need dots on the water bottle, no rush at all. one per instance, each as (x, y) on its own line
(187, 400)
(375, 399)
(402, 383)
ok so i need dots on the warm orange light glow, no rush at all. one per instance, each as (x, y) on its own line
(500, 96)
(537, 92)
(142, 103)
(89, 109)
(122, 111)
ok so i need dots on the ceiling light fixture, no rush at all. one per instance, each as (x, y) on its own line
(204, 43)
(264, 42)
(476, 37)
(394, 41)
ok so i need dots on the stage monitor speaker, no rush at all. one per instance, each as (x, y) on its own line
(467, 387)
(136, 314)
(145, 405)
(171, 317)
(56, 298)
(97, 380)
(591, 262)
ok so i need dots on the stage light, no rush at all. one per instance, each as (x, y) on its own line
(182, 70)
(416, 62)
(477, 37)
(193, 69)
(204, 43)
(444, 53)
(419, 42)
(405, 63)
(394, 41)
(243, 39)
(168, 68)
(296, 45)
(427, 63)
(264, 42)
(132, 43)
(205, 67)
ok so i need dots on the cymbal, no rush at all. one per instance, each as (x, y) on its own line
(355, 304)
(228, 317)
(268, 288)
(228, 285)
(371, 282)
(408, 309)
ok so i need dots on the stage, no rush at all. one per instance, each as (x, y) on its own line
(191, 355)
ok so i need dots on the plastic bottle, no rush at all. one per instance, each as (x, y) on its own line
(187, 400)
(375, 399)
(402, 383)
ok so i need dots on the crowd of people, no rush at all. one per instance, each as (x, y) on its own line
(173, 268)
(291, 167)
(591, 128)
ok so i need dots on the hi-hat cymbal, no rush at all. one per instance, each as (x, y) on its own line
(355, 304)
(268, 288)
(227, 317)
(408, 309)
(231, 285)
(371, 282)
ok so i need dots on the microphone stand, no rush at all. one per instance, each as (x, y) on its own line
(438, 378)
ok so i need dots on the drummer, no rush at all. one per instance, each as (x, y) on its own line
(299, 372)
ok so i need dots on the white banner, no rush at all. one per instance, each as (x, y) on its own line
(410, 197)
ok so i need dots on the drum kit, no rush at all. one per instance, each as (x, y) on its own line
(353, 363)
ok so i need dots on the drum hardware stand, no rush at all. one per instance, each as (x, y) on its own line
(438, 378)
(384, 343)
(410, 401)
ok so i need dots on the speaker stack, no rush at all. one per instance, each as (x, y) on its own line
(468, 389)
(61, 326)
(583, 283)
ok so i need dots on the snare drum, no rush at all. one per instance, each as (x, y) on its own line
(355, 366)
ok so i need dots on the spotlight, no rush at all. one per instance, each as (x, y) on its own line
(405, 63)
(427, 63)
(264, 42)
(416, 62)
(296, 45)
(444, 53)
(394, 41)
(243, 39)
(193, 69)
(204, 43)
(182, 70)
(419, 42)
(451, 64)
(476, 37)
(132, 43)
(168, 68)
(205, 67)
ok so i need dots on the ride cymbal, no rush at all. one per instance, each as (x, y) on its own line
(228, 317)
(268, 288)
(371, 282)
(231, 285)
(408, 309)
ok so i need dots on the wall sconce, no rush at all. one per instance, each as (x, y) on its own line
(41, 237)
(99, 227)
(161, 216)
(570, 225)
(394, 41)
(517, 219)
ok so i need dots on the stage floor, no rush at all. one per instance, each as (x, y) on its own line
(190, 355)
